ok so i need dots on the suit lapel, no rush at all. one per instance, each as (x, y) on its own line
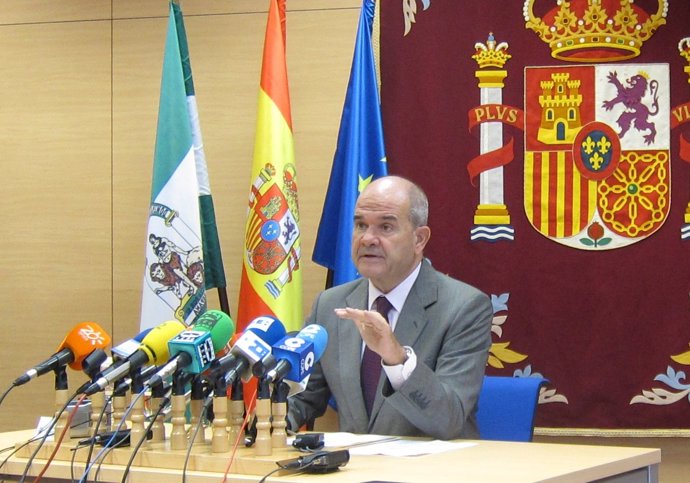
(412, 320)
(350, 356)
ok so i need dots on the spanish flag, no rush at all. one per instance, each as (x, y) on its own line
(271, 282)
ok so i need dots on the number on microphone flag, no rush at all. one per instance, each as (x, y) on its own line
(173, 285)
(271, 282)
(360, 156)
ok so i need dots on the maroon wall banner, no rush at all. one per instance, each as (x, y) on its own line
(553, 141)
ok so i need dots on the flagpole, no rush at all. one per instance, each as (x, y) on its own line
(223, 301)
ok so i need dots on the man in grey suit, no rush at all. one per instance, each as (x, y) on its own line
(433, 345)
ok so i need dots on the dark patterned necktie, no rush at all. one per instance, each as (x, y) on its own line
(371, 361)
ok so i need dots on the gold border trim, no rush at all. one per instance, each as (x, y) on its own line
(614, 433)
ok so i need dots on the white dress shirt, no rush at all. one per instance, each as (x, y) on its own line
(398, 373)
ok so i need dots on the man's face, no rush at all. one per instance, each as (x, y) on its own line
(385, 245)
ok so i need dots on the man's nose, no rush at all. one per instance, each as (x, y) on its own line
(369, 237)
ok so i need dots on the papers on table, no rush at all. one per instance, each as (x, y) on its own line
(371, 444)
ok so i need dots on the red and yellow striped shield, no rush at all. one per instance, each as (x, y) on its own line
(597, 164)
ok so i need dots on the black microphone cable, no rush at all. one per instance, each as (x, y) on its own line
(137, 379)
(164, 402)
(96, 358)
(16, 449)
(204, 411)
(92, 441)
(248, 416)
(120, 389)
(300, 465)
(61, 380)
(262, 480)
(109, 444)
(4, 395)
(58, 442)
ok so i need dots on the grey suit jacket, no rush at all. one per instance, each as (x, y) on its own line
(445, 321)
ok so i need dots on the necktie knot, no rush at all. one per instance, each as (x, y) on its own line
(382, 305)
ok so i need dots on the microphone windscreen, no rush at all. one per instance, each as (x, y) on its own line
(155, 344)
(268, 328)
(318, 336)
(210, 333)
(219, 324)
(82, 340)
(125, 349)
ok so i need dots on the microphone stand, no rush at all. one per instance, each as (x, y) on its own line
(158, 392)
(137, 417)
(91, 365)
(178, 436)
(236, 410)
(262, 444)
(220, 442)
(279, 409)
(119, 403)
(196, 406)
(61, 399)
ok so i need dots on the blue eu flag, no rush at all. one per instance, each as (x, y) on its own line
(360, 157)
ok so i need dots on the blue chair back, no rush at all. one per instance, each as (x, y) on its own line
(507, 406)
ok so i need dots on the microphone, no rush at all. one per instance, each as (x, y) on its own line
(194, 349)
(123, 385)
(251, 347)
(91, 365)
(125, 349)
(297, 354)
(81, 341)
(153, 349)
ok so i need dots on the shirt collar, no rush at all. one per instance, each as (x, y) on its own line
(399, 294)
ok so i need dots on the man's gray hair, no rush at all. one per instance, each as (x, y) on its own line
(419, 206)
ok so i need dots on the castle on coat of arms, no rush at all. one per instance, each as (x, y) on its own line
(560, 103)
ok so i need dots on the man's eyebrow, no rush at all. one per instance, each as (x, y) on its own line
(383, 217)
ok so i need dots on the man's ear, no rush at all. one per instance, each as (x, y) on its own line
(422, 235)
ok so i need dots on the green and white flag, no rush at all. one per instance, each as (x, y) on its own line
(213, 261)
(174, 286)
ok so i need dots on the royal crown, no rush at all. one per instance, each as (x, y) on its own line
(491, 54)
(595, 30)
(684, 49)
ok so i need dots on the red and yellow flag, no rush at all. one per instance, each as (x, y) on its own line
(271, 281)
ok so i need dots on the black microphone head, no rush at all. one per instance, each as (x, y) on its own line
(91, 364)
(260, 368)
